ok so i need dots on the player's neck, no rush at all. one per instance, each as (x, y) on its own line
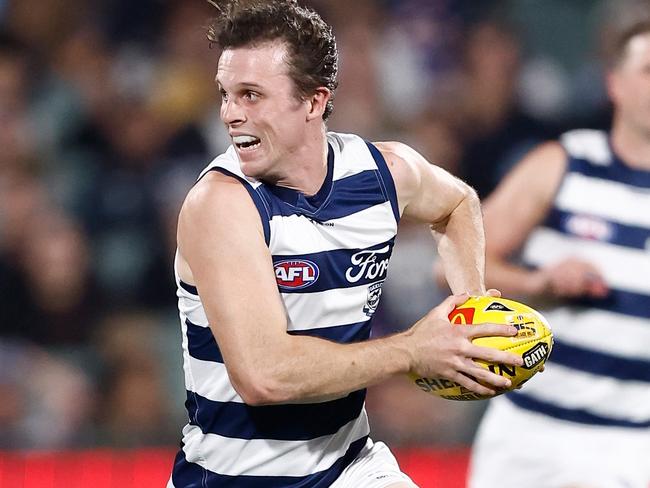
(309, 166)
(631, 144)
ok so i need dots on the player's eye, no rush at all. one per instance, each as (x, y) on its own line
(251, 96)
(224, 95)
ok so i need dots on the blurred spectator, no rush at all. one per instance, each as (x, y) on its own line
(46, 402)
(134, 410)
(495, 131)
(60, 300)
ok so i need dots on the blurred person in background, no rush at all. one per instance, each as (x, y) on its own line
(47, 402)
(577, 211)
(133, 409)
(283, 246)
(494, 130)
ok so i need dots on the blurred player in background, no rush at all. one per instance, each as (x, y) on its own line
(283, 246)
(579, 211)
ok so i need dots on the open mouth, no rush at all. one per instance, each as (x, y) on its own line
(246, 143)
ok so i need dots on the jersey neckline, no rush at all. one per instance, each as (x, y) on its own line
(298, 199)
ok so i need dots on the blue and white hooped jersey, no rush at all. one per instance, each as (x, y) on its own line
(330, 255)
(599, 370)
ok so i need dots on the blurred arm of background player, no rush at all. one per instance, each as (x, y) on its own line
(512, 211)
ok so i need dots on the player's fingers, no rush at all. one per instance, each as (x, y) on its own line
(487, 330)
(471, 384)
(449, 303)
(491, 355)
(492, 379)
(493, 292)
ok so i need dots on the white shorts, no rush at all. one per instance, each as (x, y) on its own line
(517, 448)
(374, 467)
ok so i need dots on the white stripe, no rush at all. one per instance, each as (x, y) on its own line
(210, 380)
(360, 230)
(265, 457)
(607, 397)
(229, 160)
(602, 331)
(189, 381)
(622, 268)
(588, 144)
(192, 308)
(611, 200)
(355, 157)
(340, 306)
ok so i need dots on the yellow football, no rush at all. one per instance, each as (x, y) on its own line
(533, 343)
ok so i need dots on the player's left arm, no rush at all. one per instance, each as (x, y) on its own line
(427, 193)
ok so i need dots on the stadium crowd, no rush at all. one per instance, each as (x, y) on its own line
(108, 113)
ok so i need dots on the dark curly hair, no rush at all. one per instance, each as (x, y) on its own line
(313, 56)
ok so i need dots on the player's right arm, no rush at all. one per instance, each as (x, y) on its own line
(518, 205)
(223, 252)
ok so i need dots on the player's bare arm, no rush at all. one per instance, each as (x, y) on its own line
(520, 204)
(430, 195)
(232, 269)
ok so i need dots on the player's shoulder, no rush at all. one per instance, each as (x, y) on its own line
(400, 158)
(549, 157)
(395, 150)
(540, 173)
(403, 163)
(218, 195)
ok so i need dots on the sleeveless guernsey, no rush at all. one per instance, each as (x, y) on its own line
(330, 254)
(599, 370)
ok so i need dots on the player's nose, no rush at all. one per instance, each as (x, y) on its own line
(232, 112)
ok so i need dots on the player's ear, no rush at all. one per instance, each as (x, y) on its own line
(317, 102)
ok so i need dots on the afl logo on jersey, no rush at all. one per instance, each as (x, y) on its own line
(589, 227)
(295, 274)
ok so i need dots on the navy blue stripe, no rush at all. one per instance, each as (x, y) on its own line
(618, 301)
(343, 334)
(599, 363)
(279, 422)
(297, 199)
(190, 475)
(617, 171)
(619, 234)
(580, 416)
(202, 344)
(257, 200)
(333, 265)
(189, 288)
(348, 196)
(387, 178)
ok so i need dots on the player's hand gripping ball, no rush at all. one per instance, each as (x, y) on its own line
(533, 342)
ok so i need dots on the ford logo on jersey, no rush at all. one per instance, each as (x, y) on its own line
(295, 274)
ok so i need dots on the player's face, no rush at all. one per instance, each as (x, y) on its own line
(630, 84)
(265, 118)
